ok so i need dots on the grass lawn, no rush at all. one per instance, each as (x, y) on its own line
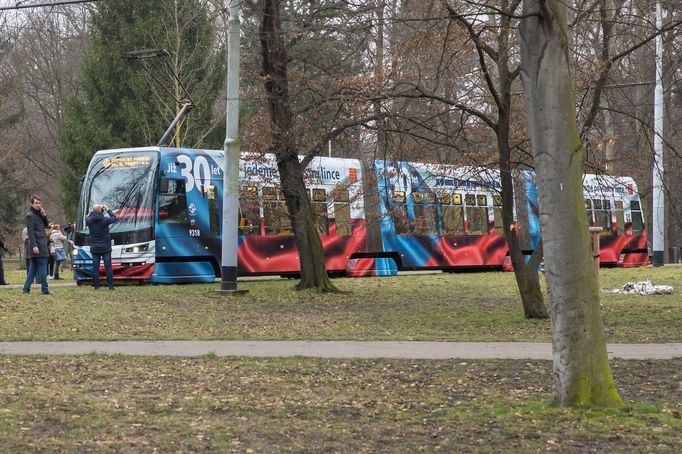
(141, 404)
(117, 404)
(446, 307)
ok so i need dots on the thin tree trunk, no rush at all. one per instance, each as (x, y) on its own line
(499, 79)
(526, 275)
(581, 371)
(370, 196)
(373, 238)
(275, 59)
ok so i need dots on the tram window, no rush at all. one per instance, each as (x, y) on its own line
(173, 204)
(340, 194)
(478, 220)
(497, 200)
(637, 222)
(453, 220)
(342, 219)
(276, 218)
(444, 198)
(399, 214)
(620, 218)
(588, 209)
(321, 219)
(456, 199)
(602, 215)
(418, 197)
(319, 195)
(213, 211)
(430, 197)
(470, 199)
(481, 200)
(425, 220)
(605, 219)
(400, 219)
(319, 207)
(249, 211)
(497, 215)
(249, 216)
(270, 193)
(248, 192)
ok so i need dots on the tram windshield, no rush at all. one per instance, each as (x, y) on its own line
(124, 181)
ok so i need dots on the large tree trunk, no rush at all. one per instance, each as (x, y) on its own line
(275, 58)
(581, 371)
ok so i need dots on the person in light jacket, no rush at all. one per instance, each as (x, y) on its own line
(58, 240)
(100, 242)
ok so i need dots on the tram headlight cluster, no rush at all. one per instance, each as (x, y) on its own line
(138, 248)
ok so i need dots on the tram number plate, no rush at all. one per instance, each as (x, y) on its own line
(194, 232)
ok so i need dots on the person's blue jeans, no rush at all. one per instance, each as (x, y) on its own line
(96, 258)
(37, 266)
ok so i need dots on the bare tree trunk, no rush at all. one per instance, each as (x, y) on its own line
(581, 371)
(373, 238)
(275, 59)
(527, 278)
(526, 274)
(499, 85)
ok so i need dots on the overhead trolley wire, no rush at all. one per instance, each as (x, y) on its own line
(21, 5)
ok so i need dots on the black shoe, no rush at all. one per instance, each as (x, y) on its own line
(47, 293)
(4, 283)
(25, 292)
(112, 288)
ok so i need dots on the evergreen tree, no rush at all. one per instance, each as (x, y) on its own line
(12, 179)
(13, 204)
(120, 105)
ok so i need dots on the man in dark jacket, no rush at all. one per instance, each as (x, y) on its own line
(37, 251)
(100, 242)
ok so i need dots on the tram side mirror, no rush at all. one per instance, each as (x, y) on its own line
(163, 185)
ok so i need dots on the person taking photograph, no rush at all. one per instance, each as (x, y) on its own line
(100, 242)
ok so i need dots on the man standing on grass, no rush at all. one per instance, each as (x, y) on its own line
(36, 252)
(100, 242)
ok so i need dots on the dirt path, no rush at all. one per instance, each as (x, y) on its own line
(329, 349)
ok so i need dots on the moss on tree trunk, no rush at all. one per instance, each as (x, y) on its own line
(581, 371)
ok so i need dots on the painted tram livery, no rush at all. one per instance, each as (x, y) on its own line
(169, 205)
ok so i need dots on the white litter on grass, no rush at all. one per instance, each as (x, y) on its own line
(644, 288)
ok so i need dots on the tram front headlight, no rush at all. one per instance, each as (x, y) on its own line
(138, 248)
